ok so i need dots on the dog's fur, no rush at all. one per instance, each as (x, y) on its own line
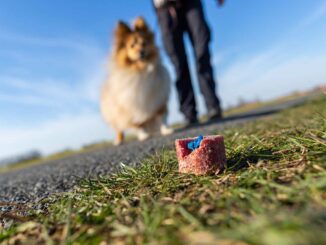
(136, 92)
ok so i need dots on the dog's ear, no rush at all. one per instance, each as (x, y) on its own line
(121, 32)
(140, 25)
(122, 29)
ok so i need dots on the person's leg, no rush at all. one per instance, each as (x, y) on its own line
(200, 37)
(172, 34)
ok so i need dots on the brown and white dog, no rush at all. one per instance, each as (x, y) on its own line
(136, 92)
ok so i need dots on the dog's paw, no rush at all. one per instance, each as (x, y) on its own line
(142, 135)
(117, 142)
(165, 130)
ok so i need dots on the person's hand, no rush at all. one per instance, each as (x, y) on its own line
(221, 2)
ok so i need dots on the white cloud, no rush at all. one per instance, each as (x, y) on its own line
(244, 68)
(50, 93)
(88, 67)
(27, 100)
(268, 75)
(76, 43)
(45, 89)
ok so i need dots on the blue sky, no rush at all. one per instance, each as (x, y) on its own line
(53, 60)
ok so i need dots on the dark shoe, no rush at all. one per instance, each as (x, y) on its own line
(214, 114)
(191, 122)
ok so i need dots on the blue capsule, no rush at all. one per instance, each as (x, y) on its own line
(193, 145)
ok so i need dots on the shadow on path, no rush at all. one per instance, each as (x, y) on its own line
(260, 112)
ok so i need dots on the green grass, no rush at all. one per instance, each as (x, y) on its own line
(273, 192)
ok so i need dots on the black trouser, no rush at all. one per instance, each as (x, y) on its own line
(174, 22)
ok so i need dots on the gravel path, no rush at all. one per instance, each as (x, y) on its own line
(39, 181)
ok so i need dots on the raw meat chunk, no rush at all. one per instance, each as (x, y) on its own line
(209, 158)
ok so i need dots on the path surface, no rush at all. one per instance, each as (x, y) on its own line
(39, 181)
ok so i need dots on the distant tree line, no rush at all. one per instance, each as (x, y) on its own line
(32, 155)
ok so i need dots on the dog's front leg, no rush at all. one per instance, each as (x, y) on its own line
(119, 138)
